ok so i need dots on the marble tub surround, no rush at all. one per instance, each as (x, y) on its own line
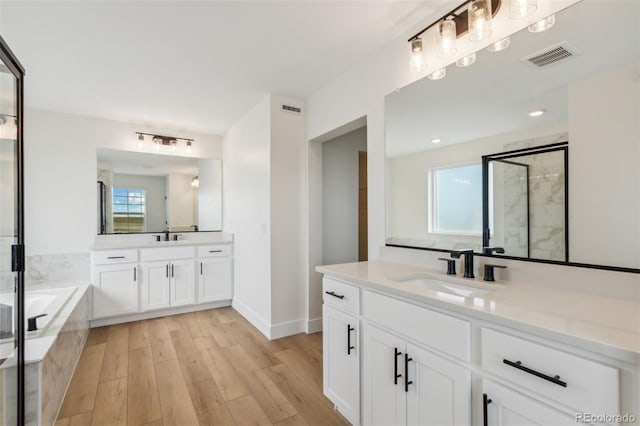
(596, 323)
(54, 267)
(147, 240)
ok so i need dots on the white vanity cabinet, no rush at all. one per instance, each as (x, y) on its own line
(341, 348)
(168, 277)
(115, 282)
(214, 268)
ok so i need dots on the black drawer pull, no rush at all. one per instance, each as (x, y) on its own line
(519, 366)
(339, 296)
(135, 274)
(407, 382)
(349, 347)
(215, 251)
(115, 257)
(396, 376)
(485, 408)
(200, 268)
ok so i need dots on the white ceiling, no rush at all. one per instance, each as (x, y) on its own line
(495, 95)
(195, 65)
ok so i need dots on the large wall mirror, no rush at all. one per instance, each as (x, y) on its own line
(144, 192)
(560, 139)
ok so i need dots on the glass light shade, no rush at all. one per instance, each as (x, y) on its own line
(140, 141)
(522, 8)
(543, 25)
(174, 145)
(417, 56)
(479, 14)
(466, 61)
(188, 149)
(195, 182)
(499, 45)
(438, 75)
(8, 127)
(446, 37)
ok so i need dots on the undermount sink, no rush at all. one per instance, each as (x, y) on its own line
(455, 289)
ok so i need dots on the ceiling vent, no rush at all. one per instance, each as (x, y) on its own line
(551, 55)
(291, 108)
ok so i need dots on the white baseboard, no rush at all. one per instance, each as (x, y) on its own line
(256, 320)
(159, 313)
(314, 325)
(288, 328)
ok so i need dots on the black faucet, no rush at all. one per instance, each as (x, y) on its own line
(166, 234)
(31, 322)
(195, 227)
(491, 250)
(468, 261)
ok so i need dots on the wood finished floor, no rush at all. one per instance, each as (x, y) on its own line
(202, 368)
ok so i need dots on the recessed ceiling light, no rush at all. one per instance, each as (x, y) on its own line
(537, 113)
(435, 140)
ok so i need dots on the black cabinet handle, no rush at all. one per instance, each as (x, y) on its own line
(331, 293)
(135, 273)
(200, 268)
(115, 257)
(167, 270)
(485, 407)
(553, 379)
(349, 347)
(215, 251)
(407, 382)
(172, 270)
(396, 376)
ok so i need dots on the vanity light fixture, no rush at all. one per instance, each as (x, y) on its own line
(537, 113)
(188, 149)
(169, 141)
(195, 182)
(479, 15)
(446, 37)
(543, 24)
(499, 45)
(466, 61)
(522, 8)
(438, 75)
(416, 54)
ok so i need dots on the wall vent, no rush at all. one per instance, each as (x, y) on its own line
(291, 108)
(551, 55)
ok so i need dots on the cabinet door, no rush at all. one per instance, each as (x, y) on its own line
(509, 408)
(440, 392)
(155, 286)
(182, 283)
(214, 279)
(383, 395)
(341, 374)
(115, 290)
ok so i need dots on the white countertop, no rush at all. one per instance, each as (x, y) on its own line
(605, 325)
(153, 244)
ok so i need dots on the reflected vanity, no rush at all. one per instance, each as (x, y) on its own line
(144, 192)
(540, 158)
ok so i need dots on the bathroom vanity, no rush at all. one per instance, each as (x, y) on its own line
(407, 345)
(144, 279)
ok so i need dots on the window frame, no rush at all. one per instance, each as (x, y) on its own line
(144, 208)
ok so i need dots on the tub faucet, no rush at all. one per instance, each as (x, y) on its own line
(31, 322)
(468, 261)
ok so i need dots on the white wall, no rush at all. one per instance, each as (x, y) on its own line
(340, 173)
(209, 199)
(604, 159)
(60, 175)
(246, 211)
(154, 187)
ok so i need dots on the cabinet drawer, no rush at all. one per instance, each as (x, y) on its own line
(442, 332)
(109, 257)
(341, 295)
(590, 386)
(166, 253)
(214, 250)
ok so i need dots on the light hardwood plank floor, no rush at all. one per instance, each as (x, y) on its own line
(201, 368)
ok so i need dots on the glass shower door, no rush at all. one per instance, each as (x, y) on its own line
(11, 241)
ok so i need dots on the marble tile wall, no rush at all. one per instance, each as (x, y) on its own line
(68, 266)
(57, 367)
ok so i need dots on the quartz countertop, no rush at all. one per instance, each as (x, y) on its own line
(154, 244)
(604, 325)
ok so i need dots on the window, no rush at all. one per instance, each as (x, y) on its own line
(456, 200)
(128, 210)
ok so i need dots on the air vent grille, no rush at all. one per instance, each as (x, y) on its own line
(291, 108)
(551, 55)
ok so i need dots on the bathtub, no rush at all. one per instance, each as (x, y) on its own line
(39, 302)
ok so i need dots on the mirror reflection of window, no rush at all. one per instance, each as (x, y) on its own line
(129, 210)
(457, 200)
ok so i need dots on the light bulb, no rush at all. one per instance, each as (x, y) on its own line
(466, 61)
(522, 8)
(543, 24)
(479, 14)
(438, 75)
(446, 37)
(499, 45)
(417, 58)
